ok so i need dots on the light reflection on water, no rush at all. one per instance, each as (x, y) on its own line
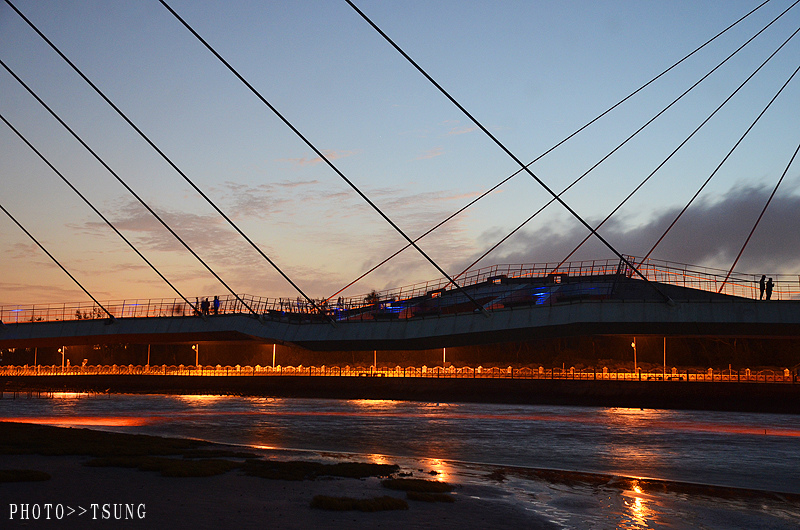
(638, 513)
(706, 447)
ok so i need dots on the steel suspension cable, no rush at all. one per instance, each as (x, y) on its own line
(131, 191)
(680, 146)
(110, 316)
(508, 152)
(769, 200)
(105, 220)
(548, 151)
(322, 156)
(174, 166)
(719, 166)
(537, 212)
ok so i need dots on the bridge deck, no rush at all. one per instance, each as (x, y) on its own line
(589, 298)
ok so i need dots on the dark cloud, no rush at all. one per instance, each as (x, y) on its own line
(710, 234)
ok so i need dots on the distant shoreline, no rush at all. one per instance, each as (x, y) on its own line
(726, 396)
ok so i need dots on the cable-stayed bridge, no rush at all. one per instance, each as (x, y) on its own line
(620, 296)
(524, 302)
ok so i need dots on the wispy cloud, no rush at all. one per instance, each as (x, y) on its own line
(330, 154)
(27, 293)
(461, 130)
(463, 196)
(23, 251)
(207, 234)
(431, 153)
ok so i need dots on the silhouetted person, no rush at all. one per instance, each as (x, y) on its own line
(216, 305)
(196, 306)
(761, 286)
(205, 306)
(769, 288)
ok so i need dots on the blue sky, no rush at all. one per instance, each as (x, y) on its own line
(531, 72)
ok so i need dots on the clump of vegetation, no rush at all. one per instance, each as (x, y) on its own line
(429, 497)
(24, 438)
(168, 467)
(302, 470)
(567, 478)
(276, 470)
(498, 475)
(359, 469)
(22, 475)
(376, 504)
(217, 453)
(417, 485)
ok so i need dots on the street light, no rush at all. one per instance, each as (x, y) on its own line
(62, 350)
(635, 368)
(196, 348)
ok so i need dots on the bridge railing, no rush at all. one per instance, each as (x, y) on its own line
(589, 374)
(299, 310)
(785, 287)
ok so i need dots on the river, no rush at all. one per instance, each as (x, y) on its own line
(465, 441)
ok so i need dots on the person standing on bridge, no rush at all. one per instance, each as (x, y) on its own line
(216, 305)
(761, 285)
(769, 288)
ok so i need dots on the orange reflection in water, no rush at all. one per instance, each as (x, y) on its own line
(378, 459)
(441, 470)
(373, 403)
(199, 399)
(104, 421)
(638, 513)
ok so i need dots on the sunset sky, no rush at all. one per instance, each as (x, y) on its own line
(532, 72)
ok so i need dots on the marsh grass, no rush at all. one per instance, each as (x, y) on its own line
(376, 504)
(302, 470)
(429, 497)
(22, 475)
(417, 485)
(24, 438)
(217, 453)
(168, 467)
(148, 453)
